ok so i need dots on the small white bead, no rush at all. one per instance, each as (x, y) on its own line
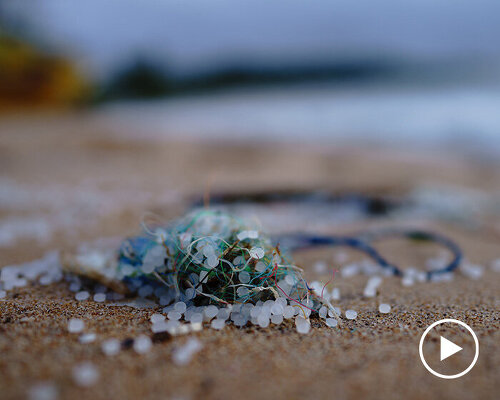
(351, 314)
(142, 344)
(302, 325)
(218, 324)
(80, 296)
(75, 325)
(277, 319)
(277, 309)
(87, 338)
(211, 311)
(157, 318)
(174, 315)
(257, 252)
(85, 374)
(289, 312)
(43, 391)
(160, 326)
(111, 347)
(331, 322)
(100, 297)
(183, 355)
(244, 277)
(180, 307)
(384, 308)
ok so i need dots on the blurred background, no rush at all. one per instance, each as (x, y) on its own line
(385, 71)
(124, 105)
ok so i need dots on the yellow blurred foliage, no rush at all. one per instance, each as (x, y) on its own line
(29, 78)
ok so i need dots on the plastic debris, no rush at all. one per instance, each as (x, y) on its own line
(100, 297)
(80, 296)
(43, 391)
(471, 271)
(371, 286)
(142, 344)
(111, 347)
(87, 338)
(302, 325)
(351, 314)
(384, 308)
(331, 322)
(85, 374)
(155, 318)
(183, 355)
(75, 325)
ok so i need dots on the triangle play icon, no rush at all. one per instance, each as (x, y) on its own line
(448, 348)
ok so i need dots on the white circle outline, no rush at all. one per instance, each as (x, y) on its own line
(421, 353)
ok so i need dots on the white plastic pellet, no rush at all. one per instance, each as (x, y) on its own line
(351, 314)
(407, 281)
(331, 322)
(87, 338)
(335, 294)
(257, 252)
(85, 374)
(142, 344)
(100, 297)
(43, 391)
(160, 326)
(80, 296)
(242, 291)
(471, 271)
(260, 266)
(212, 261)
(244, 277)
(277, 309)
(183, 355)
(196, 318)
(196, 326)
(289, 312)
(157, 318)
(75, 325)
(111, 347)
(384, 308)
(180, 307)
(302, 325)
(223, 313)
(277, 319)
(174, 315)
(211, 311)
(218, 324)
(263, 320)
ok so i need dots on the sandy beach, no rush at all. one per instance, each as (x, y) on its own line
(80, 182)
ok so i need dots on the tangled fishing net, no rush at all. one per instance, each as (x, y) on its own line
(211, 257)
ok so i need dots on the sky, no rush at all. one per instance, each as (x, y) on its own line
(189, 36)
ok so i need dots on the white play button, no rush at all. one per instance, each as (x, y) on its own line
(448, 348)
(462, 363)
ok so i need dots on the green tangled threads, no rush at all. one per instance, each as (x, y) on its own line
(210, 256)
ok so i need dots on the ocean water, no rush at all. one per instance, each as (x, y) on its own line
(465, 118)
